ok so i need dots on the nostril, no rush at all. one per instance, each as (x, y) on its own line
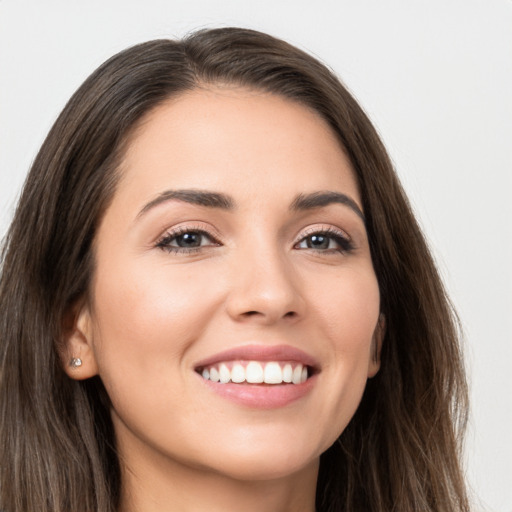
(289, 314)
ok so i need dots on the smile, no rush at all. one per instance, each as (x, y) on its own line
(256, 372)
(260, 376)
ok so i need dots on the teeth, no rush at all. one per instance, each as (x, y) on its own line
(296, 376)
(224, 374)
(214, 375)
(238, 373)
(287, 373)
(273, 374)
(256, 373)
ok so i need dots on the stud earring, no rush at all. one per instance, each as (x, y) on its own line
(75, 362)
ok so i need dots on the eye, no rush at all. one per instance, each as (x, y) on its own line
(186, 240)
(326, 241)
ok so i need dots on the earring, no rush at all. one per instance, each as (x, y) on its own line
(75, 362)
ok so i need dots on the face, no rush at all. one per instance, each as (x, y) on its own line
(234, 251)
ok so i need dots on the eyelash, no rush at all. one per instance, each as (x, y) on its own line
(343, 242)
(165, 242)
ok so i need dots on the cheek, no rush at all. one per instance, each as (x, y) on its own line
(348, 309)
(145, 319)
(150, 313)
(347, 315)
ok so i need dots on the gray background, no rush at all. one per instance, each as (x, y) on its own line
(436, 79)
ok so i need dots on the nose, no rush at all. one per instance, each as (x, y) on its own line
(264, 289)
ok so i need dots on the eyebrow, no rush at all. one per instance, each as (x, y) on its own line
(319, 199)
(198, 197)
(218, 200)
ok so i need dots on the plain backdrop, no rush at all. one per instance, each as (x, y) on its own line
(434, 76)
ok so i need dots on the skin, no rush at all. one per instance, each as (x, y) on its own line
(154, 313)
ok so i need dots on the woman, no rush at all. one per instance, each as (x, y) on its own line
(215, 296)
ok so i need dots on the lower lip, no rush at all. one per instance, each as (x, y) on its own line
(261, 396)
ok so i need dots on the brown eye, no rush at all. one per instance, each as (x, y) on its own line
(318, 242)
(186, 240)
(325, 242)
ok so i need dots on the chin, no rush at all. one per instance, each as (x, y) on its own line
(263, 460)
(266, 468)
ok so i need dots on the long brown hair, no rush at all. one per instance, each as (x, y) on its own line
(57, 446)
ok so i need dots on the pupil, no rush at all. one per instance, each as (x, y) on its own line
(189, 240)
(318, 242)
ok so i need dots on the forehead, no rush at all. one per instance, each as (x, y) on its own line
(237, 140)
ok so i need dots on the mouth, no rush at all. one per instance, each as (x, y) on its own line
(260, 376)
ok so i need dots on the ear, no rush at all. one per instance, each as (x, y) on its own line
(76, 349)
(376, 348)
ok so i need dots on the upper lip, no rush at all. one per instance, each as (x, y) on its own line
(261, 353)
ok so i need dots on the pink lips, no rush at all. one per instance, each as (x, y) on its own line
(261, 353)
(262, 396)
